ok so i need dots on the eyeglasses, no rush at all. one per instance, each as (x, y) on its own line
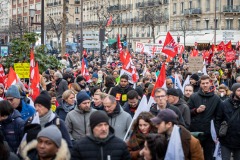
(10, 99)
(161, 96)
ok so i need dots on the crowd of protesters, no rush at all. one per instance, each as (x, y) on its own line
(89, 119)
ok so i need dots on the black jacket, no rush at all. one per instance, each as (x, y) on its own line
(225, 112)
(90, 148)
(200, 122)
(118, 90)
(185, 111)
(154, 110)
(127, 108)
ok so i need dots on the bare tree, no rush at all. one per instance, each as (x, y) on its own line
(64, 32)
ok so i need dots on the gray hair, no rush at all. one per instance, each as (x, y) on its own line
(111, 98)
(58, 74)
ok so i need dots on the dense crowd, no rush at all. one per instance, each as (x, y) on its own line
(90, 119)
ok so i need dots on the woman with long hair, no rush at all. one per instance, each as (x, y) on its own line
(142, 126)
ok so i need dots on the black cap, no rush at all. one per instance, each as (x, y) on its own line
(166, 115)
(173, 92)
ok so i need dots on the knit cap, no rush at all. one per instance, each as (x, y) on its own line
(82, 96)
(235, 86)
(13, 91)
(51, 132)
(44, 99)
(98, 117)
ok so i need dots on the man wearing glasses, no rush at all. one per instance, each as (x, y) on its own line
(14, 98)
(160, 97)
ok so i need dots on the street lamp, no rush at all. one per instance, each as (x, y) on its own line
(32, 14)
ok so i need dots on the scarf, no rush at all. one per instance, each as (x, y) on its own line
(45, 119)
(67, 108)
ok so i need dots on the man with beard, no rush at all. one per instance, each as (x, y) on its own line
(120, 91)
(188, 91)
(118, 118)
(203, 105)
(61, 85)
(77, 120)
(101, 143)
(81, 81)
(132, 104)
(230, 143)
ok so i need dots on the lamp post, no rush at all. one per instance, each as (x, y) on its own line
(32, 14)
(81, 45)
(77, 24)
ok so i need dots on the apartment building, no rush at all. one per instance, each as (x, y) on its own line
(4, 20)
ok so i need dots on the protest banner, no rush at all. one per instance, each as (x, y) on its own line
(148, 47)
(195, 64)
(22, 69)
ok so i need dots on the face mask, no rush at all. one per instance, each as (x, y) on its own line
(221, 94)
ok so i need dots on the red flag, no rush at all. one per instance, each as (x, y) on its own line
(169, 59)
(154, 49)
(180, 60)
(119, 43)
(2, 74)
(221, 46)
(84, 71)
(109, 21)
(205, 54)
(228, 46)
(180, 49)
(194, 53)
(12, 78)
(84, 53)
(230, 56)
(125, 58)
(170, 46)
(160, 80)
(32, 64)
(35, 83)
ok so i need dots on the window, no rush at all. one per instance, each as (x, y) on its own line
(199, 3)
(217, 5)
(207, 5)
(216, 22)
(76, 10)
(206, 24)
(182, 7)
(190, 4)
(174, 8)
(229, 2)
(229, 24)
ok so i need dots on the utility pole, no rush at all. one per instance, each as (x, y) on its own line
(64, 21)
(215, 21)
(42, 23)
(81, 45)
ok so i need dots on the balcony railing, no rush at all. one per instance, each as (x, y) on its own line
(192, 11)
(119, 7)
(231, 9)
(148, 4)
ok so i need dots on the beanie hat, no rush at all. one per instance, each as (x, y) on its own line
(173, 92)
(195, 77)
(82, 96)
(98, 117)
(32, 131)
(51, 132)
(94, 75)
(44, 99)
(235, 86)
(13, 91)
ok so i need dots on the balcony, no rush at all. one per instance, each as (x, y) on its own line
(76, 2)
(191, 12)
(115, 8)
(49, 4)
(148, 4)
(235, 10)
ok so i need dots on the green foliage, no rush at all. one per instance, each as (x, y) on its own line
(20, 52)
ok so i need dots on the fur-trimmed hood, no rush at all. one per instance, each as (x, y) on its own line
(62, 154)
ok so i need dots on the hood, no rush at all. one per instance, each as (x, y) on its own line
(102, 141)
(209, 94)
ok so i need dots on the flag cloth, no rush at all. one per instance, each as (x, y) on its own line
(109, 21)
(230, 56)
(84, 71)
(175, 150)
(194, 53)
(12, 78)
(35, 83)
(2, 75)
(170, 46)
(32, 64)
(187, 81)
(160, 80)
(228, 46)
(177, 83)
(204, 70)
(217, 152)
(221, 46)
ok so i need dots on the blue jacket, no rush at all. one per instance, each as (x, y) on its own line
(12, 129)
(27, 110)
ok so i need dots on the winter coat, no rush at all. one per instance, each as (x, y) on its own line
(97, 107)
(120, 121)
(200, 122)
(185, 111)
(61, 86)
(154, 110)
(30, 151)
(127, 108)
(12, 128)
(91, 148)
(120, 93)
(77, 122)
(191, 146)
(26, 110)
(61, 112)
(225, 112)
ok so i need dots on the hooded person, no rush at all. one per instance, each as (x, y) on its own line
(48, 144)
(101, 142)
(194, 81)
(47, 117)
